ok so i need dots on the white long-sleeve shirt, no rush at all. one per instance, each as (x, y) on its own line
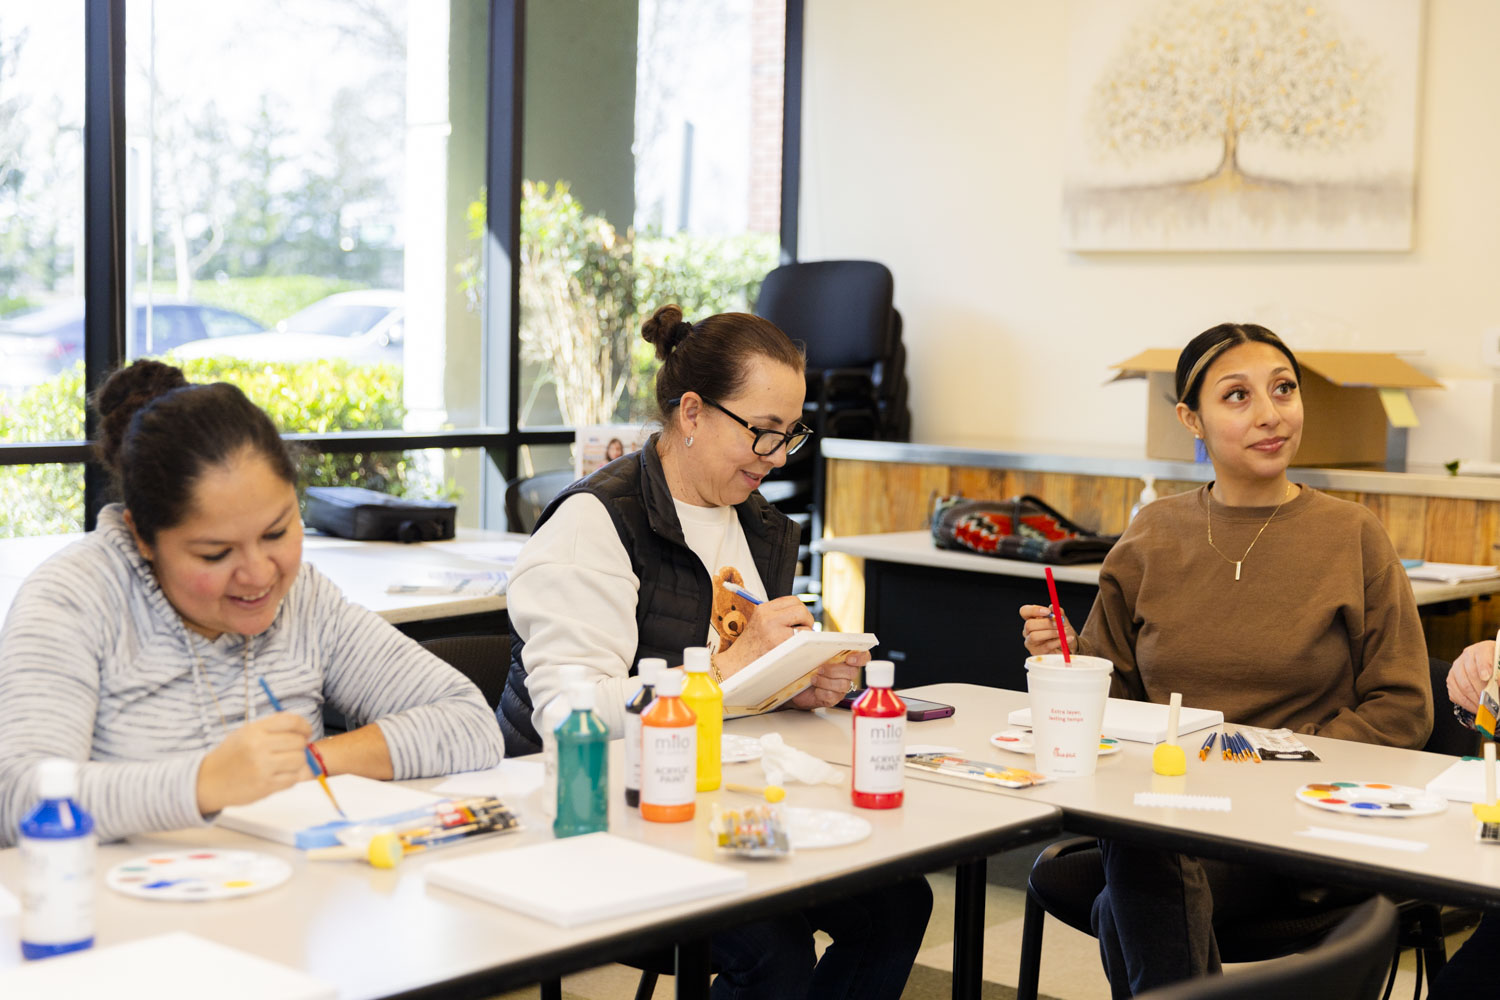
(96, 667)
(572, 596)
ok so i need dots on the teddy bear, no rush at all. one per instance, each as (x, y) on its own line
(731, 611)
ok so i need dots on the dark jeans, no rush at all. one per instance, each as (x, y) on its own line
(1471, 970)
(876, 937)
(1156, 915)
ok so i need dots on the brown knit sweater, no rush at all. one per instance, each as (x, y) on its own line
(1320, 634)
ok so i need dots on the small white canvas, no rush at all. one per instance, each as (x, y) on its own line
(1139, 721)
(175, 966)
(284, 814)
(583, 879)
(786, 671)
(1463, 781)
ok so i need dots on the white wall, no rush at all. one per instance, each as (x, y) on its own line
(933, 141)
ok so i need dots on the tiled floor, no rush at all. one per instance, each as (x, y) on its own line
(1070, 959)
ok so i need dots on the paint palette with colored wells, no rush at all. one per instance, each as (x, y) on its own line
(1370, 798)
(198, 876)
(1021, 741)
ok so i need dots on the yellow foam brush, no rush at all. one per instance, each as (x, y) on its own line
(1168, 757)
(1488, 811)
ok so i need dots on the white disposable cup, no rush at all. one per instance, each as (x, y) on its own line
(1067, 712)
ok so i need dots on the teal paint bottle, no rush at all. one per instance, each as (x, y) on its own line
(582, 767)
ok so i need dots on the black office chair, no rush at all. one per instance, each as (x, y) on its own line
(1349, 964)
(527, 496)
(483, 659)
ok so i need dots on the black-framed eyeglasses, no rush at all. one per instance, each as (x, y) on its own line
(766, 441)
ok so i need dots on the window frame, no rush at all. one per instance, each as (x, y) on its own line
(105, 281)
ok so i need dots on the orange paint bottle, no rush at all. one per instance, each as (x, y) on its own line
(669, 754)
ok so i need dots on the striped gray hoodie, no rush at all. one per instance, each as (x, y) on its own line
(95, 666)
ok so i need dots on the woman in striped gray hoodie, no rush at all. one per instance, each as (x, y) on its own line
(136, 650)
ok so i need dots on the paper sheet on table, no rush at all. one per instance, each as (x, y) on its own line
(1367, 839)
(513, 779)
(175, 966)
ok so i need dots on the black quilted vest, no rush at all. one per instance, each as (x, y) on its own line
(676, 596)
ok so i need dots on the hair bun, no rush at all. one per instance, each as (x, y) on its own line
(665, 330)
(124, 394)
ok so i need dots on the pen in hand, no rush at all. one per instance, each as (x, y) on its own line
(314, 759)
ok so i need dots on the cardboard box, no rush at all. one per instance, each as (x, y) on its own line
(1351, 398)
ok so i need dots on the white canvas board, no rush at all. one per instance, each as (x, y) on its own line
(763, 683)
(284, 814)
(580, 880)
(1463, 781)
(175, 966)
(1139, 721)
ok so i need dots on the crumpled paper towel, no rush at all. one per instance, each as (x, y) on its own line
(783, 762)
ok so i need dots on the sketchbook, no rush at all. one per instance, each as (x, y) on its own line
(786, 671)
(302, 816)
(579, 880)
(1139, 721)
(174, 966)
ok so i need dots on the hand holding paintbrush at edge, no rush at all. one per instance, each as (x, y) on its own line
(1040, 634)
(1471, 674)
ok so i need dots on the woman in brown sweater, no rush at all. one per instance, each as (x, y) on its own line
(1279, 605)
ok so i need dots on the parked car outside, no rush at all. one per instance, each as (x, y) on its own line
(365, 326)
(40, 343)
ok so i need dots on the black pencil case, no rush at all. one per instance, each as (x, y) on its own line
(368, 516)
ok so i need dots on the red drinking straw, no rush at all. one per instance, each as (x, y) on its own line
(1057, 618)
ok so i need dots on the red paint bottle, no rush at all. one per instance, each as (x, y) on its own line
(879, 740)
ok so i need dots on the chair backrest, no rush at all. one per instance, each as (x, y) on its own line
(1448, 734)
(527, 496)
(840, 309)
(483, 659)
(1351, 964)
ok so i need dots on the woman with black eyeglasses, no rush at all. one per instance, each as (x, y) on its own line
(622, 565)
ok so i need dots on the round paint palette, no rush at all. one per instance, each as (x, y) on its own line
(196, 876)
(807, 828)
(1021, 741)
(1371, 798)
(736, 749)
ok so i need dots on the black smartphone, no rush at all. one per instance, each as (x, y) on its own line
(917, 710)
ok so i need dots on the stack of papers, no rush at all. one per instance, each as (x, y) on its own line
(1451, 572)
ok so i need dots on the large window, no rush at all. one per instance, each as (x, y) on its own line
(295, 200)
(665, 189)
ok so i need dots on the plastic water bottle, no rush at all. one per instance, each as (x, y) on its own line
(669, 755)
(702, 695)
(57, 866)
(879, 740)
(1148, 494)
(553, 715)
(582, 767)
(647, 671)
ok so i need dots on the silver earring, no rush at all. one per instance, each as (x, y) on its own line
(689, 441)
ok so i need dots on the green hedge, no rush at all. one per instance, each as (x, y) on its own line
(318, 396)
